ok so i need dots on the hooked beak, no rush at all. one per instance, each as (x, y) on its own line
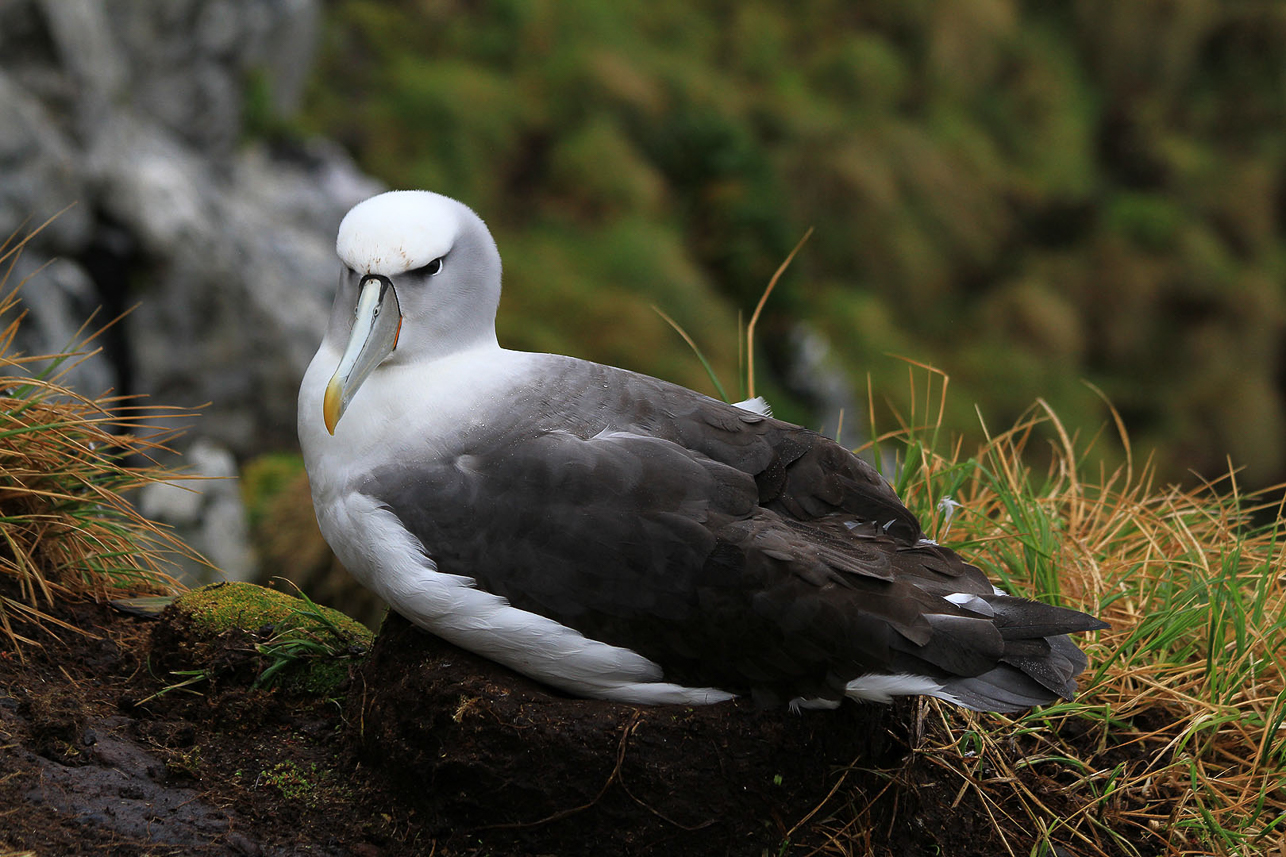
(374, 336)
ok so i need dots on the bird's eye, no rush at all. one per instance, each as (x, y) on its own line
(432, 268)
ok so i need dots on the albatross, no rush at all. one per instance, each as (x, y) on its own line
(616, 536)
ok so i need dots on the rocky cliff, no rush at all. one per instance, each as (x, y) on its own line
(124, 120)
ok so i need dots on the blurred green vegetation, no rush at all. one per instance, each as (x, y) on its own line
(1024, 194)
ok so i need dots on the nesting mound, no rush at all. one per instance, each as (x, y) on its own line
(485, 754)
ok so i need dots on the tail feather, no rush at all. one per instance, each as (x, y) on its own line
(1039, 663)
(1007, 662)
(1021, 618)
(1056, 669)
(1004, 689)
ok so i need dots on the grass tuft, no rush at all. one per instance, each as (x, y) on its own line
(1177, 742)
(67, 530)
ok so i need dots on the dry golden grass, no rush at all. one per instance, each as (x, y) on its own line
(67, 530)
(1177, 743)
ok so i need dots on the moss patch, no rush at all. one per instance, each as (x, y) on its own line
(250, 634)
(245, 606)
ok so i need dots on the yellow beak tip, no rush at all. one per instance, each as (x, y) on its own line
(333, 405)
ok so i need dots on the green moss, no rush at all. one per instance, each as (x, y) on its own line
(318, 677)
(306, 647)
(223, 606)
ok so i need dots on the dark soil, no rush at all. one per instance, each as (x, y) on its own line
(433, 751)
(486, 756)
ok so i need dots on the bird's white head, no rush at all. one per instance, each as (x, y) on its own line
(421, 280)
